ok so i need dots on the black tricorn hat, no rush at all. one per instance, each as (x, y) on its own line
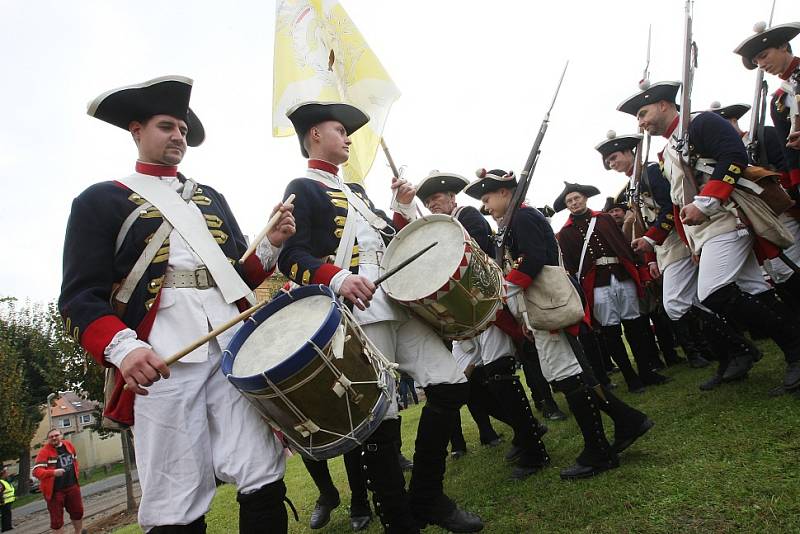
(734, 111)
(306, 115)
(612, 203)
(560, 202)
(547, 211)
(440, 182)
(166, 95)
(490, 181)
(649, 94)
(765, 38)
(615, 143)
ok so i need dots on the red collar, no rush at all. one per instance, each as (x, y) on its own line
(672, 126)
(570, 219)
(154, 169)
(792, 67)
(322, 165)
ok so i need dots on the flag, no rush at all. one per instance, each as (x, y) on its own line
(321, 56)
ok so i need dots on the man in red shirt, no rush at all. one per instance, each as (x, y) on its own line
(56, 468)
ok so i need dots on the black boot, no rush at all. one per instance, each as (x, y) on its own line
(612, 338)
(198, 526)
(458, 445)
(734, 352)
(478, 406)
(429, 504)
(629, 423)
(665, 336)
(789, 292)
(360, 511)
(385, 479)
(597, 455)
(762, 311)
(328, 494)
(640, 339)
(690, 338)
(504, 384)
(405, 463)
(594, 356)
(263, 510)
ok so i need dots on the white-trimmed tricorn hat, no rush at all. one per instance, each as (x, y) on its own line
(734, 111)
(649, 94)
(764, 38)
(490, 181)
(165, 95)
(306, 115)
(617, 143)
(440, 182)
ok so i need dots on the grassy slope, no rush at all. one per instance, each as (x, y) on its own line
(721, 461)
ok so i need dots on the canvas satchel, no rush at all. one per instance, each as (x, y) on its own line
(552, 301)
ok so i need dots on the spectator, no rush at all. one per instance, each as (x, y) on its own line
(7, 496)
(56, 468)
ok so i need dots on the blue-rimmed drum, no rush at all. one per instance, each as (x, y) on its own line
(455, 287)
(309, 369)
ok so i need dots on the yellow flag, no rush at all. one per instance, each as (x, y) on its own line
(321, 56)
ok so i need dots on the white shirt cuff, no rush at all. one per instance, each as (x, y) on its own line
(708, 205)
(409, 211)
(121, 345)
(267, 253)
(649, 240)
(338, 280)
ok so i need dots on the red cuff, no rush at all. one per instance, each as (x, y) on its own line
(399, 221)
(506, 323)
(254, 272)
(99, 334)
(785, 180)
(325, 273)
(656, 234)
(515, 276)
(717, 189)
(794, 177)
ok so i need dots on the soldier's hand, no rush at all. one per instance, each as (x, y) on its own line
(654, 271)
(141, 367)
(59, 472)
(641, 245)
(405, 191)
(358, 290)
(284, 228)
(793, 141)
(692, 216)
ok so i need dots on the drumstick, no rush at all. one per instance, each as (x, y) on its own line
(272, 221)
(214, 333)
(394, 270)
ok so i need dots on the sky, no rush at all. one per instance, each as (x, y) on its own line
(476, 79)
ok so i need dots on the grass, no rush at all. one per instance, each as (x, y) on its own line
(97, 473)
(716, 462)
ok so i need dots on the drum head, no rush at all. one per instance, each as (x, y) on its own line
(425, 275)
(281, 335)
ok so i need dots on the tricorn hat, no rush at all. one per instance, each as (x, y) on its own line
(734, 111)
(765, 38)
(614, 143)
(440, 182)
(649, 94)
(490, 181)
(560, 202)
(612, 203)
(306, 115)
(166, 95)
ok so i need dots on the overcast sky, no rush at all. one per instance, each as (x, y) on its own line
(476, 79)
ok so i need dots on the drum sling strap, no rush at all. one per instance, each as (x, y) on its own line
(175, 209)
(345, 251)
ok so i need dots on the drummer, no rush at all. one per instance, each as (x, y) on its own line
(339, 222)
(493, 348)
(184, 423)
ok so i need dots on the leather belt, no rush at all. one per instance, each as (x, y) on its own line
(606, 260)
(199, 279)
(370, 257)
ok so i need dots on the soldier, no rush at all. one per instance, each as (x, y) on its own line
(771, 154)
(532, 244)
(596, 253)
(729, 280)
(494, 347)
(338, 220)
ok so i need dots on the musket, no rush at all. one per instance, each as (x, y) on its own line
(755, 148)
(525, 177)
(687, 79)
(640, 163)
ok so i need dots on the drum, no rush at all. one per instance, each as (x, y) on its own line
(309, 369)
(455, 287)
